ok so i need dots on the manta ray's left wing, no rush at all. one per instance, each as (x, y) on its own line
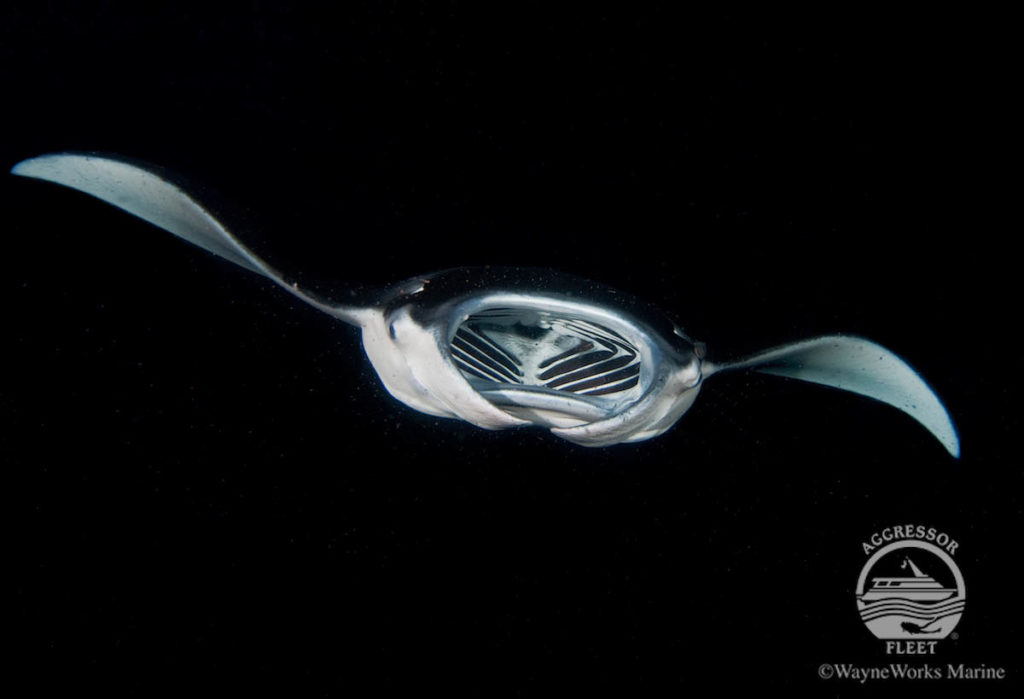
(152, 198)
(859, 366)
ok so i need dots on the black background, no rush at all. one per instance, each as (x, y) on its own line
(211, 490)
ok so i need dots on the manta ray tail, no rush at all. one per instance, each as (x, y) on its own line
(860, 366)
(154, 199)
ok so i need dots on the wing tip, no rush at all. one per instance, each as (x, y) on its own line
(30, 167)
(22, 168)
(952, 443)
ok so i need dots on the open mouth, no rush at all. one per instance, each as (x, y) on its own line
(546, 367)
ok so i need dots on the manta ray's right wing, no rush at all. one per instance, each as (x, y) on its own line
(154, 199)
(860, 366)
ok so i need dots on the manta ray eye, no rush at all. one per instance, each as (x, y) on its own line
(391, 331)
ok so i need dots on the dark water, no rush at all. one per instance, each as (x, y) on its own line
(210, 488)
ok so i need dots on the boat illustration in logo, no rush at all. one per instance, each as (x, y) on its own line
(919, 587)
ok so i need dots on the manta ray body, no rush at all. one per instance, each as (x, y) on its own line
(503, 347)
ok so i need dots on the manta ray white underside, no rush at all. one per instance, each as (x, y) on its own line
(500, 349)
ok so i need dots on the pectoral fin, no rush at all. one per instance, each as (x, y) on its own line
(860, 366)
(152, 198)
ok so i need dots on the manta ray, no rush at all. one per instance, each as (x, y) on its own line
(504, 347)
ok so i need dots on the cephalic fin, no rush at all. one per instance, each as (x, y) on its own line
(860, 366)
(152, 198)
